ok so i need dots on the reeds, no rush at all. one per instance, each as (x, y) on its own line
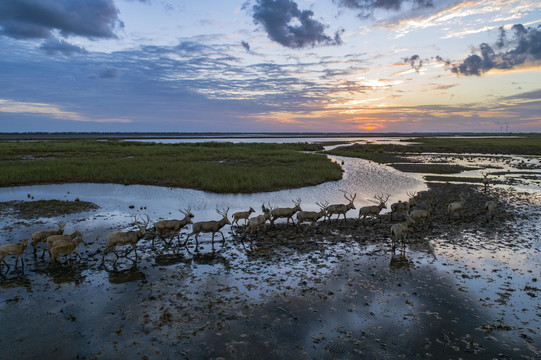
(216, 167)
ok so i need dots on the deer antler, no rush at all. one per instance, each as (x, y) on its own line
(297, 201)
(322, 205)
(222, 212)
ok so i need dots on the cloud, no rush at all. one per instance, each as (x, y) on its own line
(25, 19)
(50, 110)
(291, 27)
(366, 8)
(109, 73)
(523, 48)
(415, 61)
(245, 45)
(53, 46)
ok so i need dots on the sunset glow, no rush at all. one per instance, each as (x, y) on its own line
(334, 65)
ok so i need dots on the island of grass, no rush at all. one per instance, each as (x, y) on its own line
(402, 157)
(209, 166)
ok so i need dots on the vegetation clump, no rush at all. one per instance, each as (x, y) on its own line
(209, 166)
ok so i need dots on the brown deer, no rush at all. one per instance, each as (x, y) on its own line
(486, 180)
(65, 248)
(172, 226)
(400, 231)
(53, 239)
(41, 236)
(374, 210)
(404, 206)
(123, 238)
(261, 220)
(341, 209)
(13, 249)
(286, 212)
(242, 215)
(209, 227)
(456, 207)
(312, 216)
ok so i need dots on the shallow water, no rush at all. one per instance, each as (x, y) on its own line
(449, 295)
(362, 177)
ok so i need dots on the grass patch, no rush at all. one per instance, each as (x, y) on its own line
(209, 166)
(395, 154)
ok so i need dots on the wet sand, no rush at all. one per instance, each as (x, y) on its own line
(462, 288)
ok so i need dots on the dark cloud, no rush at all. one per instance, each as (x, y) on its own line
(522, 48)
(245, 45)
(38, 18)
(53, 46)
(291, 27)
(366, 8)
(415, 61)
(109, 73)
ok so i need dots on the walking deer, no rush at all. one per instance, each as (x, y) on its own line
(172, 226)
(242, 215)
(286, 212)
(261, 220)
(123, 238)
(404, 206)
(400, 231)
(456, 207)
(41, 236)
(209, 227)
(341, 209)
(490, 208)
(312, 216)
(13, 249)
(486, 181)
(374, 210)
(53, 239)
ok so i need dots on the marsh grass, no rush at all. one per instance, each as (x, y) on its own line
(392, 153)
(216, 167)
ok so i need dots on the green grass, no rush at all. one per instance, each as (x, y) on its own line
(216, 167)
(520, 145)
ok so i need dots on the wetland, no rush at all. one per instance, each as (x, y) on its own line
(466, 287)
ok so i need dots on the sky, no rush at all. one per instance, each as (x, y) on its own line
(270, 66)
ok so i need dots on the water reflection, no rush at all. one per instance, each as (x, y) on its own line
(127, 275)
(360, 176)
(19, 280)
(65, 274)
(400, 261)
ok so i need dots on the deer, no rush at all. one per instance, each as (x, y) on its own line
(486, 180)
(425, 214)
(286, 212)
(261, 220)
(53, 239)
(13, 249)
(400, 231)
(242, 215)
(490, 208)
(404, 206)
(210, 227)
(172, 226)
(123, 238)
(312, 216)
(374, 210)
(456, 207)
(65, 248)
(341, 209)
(41, 236)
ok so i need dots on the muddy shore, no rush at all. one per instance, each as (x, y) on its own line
(333, 290)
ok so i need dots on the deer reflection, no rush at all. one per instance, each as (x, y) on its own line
(400, 261)
(127, 275)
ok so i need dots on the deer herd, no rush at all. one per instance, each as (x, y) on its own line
(56, 243)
